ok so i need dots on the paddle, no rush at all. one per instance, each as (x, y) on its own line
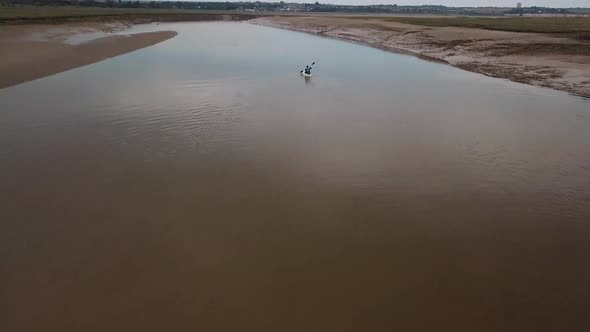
(313, 63)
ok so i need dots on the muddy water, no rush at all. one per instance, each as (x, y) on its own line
(203, 185)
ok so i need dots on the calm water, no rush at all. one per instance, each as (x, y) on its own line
(203, 185)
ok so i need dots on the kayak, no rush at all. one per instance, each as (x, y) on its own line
(305, 75)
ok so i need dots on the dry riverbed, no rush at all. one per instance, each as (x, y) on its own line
(560, 62)
(34, 51)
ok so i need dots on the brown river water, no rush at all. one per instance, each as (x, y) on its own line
(202, 185)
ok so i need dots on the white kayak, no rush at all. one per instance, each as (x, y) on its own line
(305, 75)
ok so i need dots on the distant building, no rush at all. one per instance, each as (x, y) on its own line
(518, 5)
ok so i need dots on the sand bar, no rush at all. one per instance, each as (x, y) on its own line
(33, 51)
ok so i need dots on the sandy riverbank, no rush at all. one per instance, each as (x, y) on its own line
(34, 51)
(550, 60)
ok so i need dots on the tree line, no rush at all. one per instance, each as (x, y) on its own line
(284, 6)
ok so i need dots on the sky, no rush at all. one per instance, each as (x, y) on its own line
(450, 3)
(482, 3)
(461, 3)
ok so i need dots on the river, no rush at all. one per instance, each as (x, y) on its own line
(202, 184)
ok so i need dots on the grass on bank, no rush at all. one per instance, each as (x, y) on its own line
(577, 25)
(60, 14)
(570, 25)
(27, 12)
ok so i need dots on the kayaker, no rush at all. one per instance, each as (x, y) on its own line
(307, 70)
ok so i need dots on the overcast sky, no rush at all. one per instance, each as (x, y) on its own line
(498, 3)
(479, 3)
(451, 3)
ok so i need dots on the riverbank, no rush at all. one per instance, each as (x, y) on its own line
(33, 51)
(554, 60)
(64, 14)
(35, 39)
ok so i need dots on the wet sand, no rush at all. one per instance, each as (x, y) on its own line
(548, 60)
(33, 51)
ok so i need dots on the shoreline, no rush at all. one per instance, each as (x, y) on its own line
(36, 51)
(545, 60)
(26, 59)
(132, 17)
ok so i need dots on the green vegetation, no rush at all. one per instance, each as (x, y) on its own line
(576, 25)
(26, 12)
(579, 26)
(47, 14)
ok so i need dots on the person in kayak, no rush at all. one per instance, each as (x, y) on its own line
(307, 70)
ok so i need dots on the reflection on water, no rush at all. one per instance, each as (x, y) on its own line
(307, 79)
(200, 185)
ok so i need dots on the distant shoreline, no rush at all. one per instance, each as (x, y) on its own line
(136, 18)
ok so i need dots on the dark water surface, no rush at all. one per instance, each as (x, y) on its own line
(203, 185)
